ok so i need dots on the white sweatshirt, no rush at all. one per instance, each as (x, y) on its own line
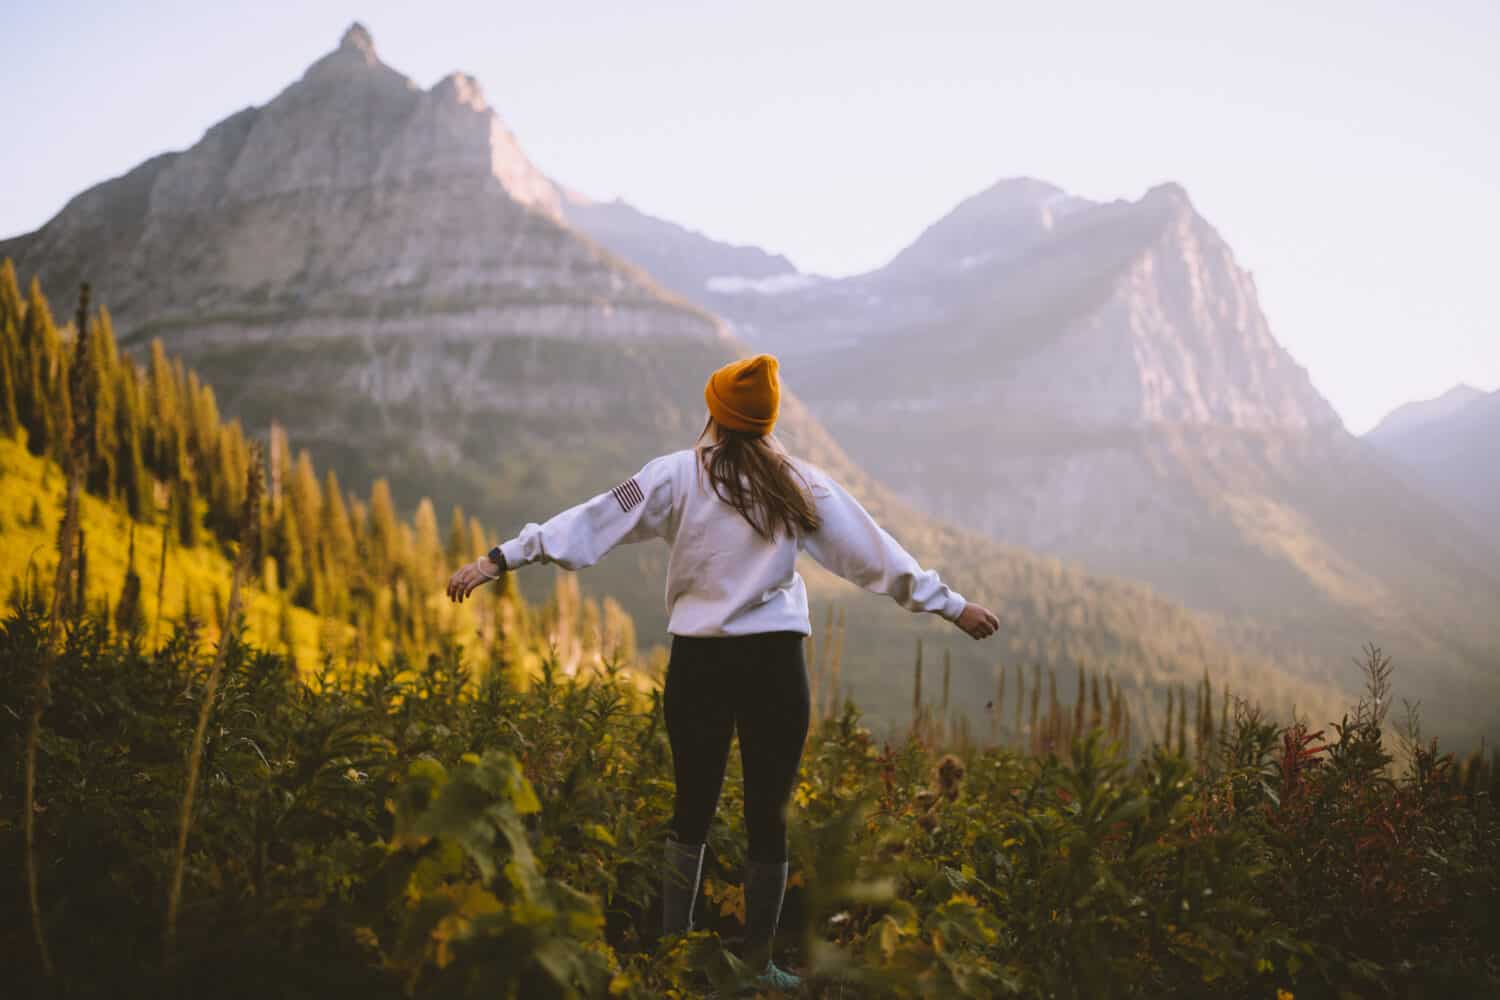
(722, 578)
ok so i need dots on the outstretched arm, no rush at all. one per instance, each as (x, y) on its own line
(851, 544)
(580, 536)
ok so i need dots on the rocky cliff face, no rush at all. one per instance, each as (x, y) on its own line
(355, 202)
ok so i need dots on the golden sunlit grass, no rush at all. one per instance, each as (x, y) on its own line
(32, 492)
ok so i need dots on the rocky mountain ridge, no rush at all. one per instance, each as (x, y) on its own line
(352, 202)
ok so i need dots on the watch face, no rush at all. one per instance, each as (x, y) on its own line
(496, 556)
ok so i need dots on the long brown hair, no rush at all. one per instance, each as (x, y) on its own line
(752, 475)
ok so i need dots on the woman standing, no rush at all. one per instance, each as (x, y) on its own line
(736, 510)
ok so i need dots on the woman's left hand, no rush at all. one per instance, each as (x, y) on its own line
(470, 578)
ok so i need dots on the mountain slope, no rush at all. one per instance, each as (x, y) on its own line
(695, 265)
(1410, 416)
(378, 268)
(1098, 381)
(1451, 446)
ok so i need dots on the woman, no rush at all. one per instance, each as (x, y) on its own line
(736, 511)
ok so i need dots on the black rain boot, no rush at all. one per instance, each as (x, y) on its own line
(679, 887)
(765, 887)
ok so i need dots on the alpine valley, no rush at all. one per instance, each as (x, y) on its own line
(1152, 487)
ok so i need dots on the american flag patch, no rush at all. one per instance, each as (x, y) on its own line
(628, 494)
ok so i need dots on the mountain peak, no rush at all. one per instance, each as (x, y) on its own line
(1420, 412)
(357, 40)
(462, 89)
(1168, 195)
(994, 225)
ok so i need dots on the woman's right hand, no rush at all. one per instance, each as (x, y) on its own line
(978, 622)
(468, 578)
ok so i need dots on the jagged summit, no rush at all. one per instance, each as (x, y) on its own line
(1015, 190)
(358, 39)
(352, 190)
(462, 89)
(994, 225)
(1169, 191)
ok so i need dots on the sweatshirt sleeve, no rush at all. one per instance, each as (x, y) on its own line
(851, 544)
(580, 536)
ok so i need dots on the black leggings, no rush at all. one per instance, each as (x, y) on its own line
(758, 684)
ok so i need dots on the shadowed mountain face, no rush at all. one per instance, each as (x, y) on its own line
(1451, 447)
(381, 269)
(1098, 381)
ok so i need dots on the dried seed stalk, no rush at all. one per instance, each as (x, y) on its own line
(249, 526)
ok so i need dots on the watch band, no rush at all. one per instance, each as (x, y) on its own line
(497, 557)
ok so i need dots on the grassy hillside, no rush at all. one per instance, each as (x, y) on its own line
(196, 579)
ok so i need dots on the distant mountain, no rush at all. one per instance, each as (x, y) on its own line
(380, 268)
(1098, 381)
(1451, 445)
(686, 261)
(1410, 416)
(996, 225)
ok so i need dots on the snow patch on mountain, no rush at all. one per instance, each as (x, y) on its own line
(776, 284)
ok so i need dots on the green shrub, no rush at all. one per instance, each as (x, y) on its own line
(416, 830)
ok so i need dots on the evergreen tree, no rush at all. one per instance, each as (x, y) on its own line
(338, 530)
(81, 575)
(385, 542)
(228, 460)
(428, 550)
(166, 448)
(46, 411)
(185, 500)
(619, 628)
(479, 542)
(306, 498)
(10, 418)
(133, 482)
(129, 617)
(97, 353)
(458, 541)
(11, 307)
(285, 546)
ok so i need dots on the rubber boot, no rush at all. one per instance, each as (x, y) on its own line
(765, 887)
(679, 887)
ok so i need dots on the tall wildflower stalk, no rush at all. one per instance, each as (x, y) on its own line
(67, 546)
(835, 656)
(161, 569)
(916, 690)
(248, 528)
(999, 705)
(1020, 702)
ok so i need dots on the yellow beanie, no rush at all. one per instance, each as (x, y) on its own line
(745, 395)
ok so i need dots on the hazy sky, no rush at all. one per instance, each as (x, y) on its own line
(1350, 156)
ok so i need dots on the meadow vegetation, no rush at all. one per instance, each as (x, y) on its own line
(417, 829)
(235, 768)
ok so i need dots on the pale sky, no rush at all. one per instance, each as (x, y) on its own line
(1350, 156)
